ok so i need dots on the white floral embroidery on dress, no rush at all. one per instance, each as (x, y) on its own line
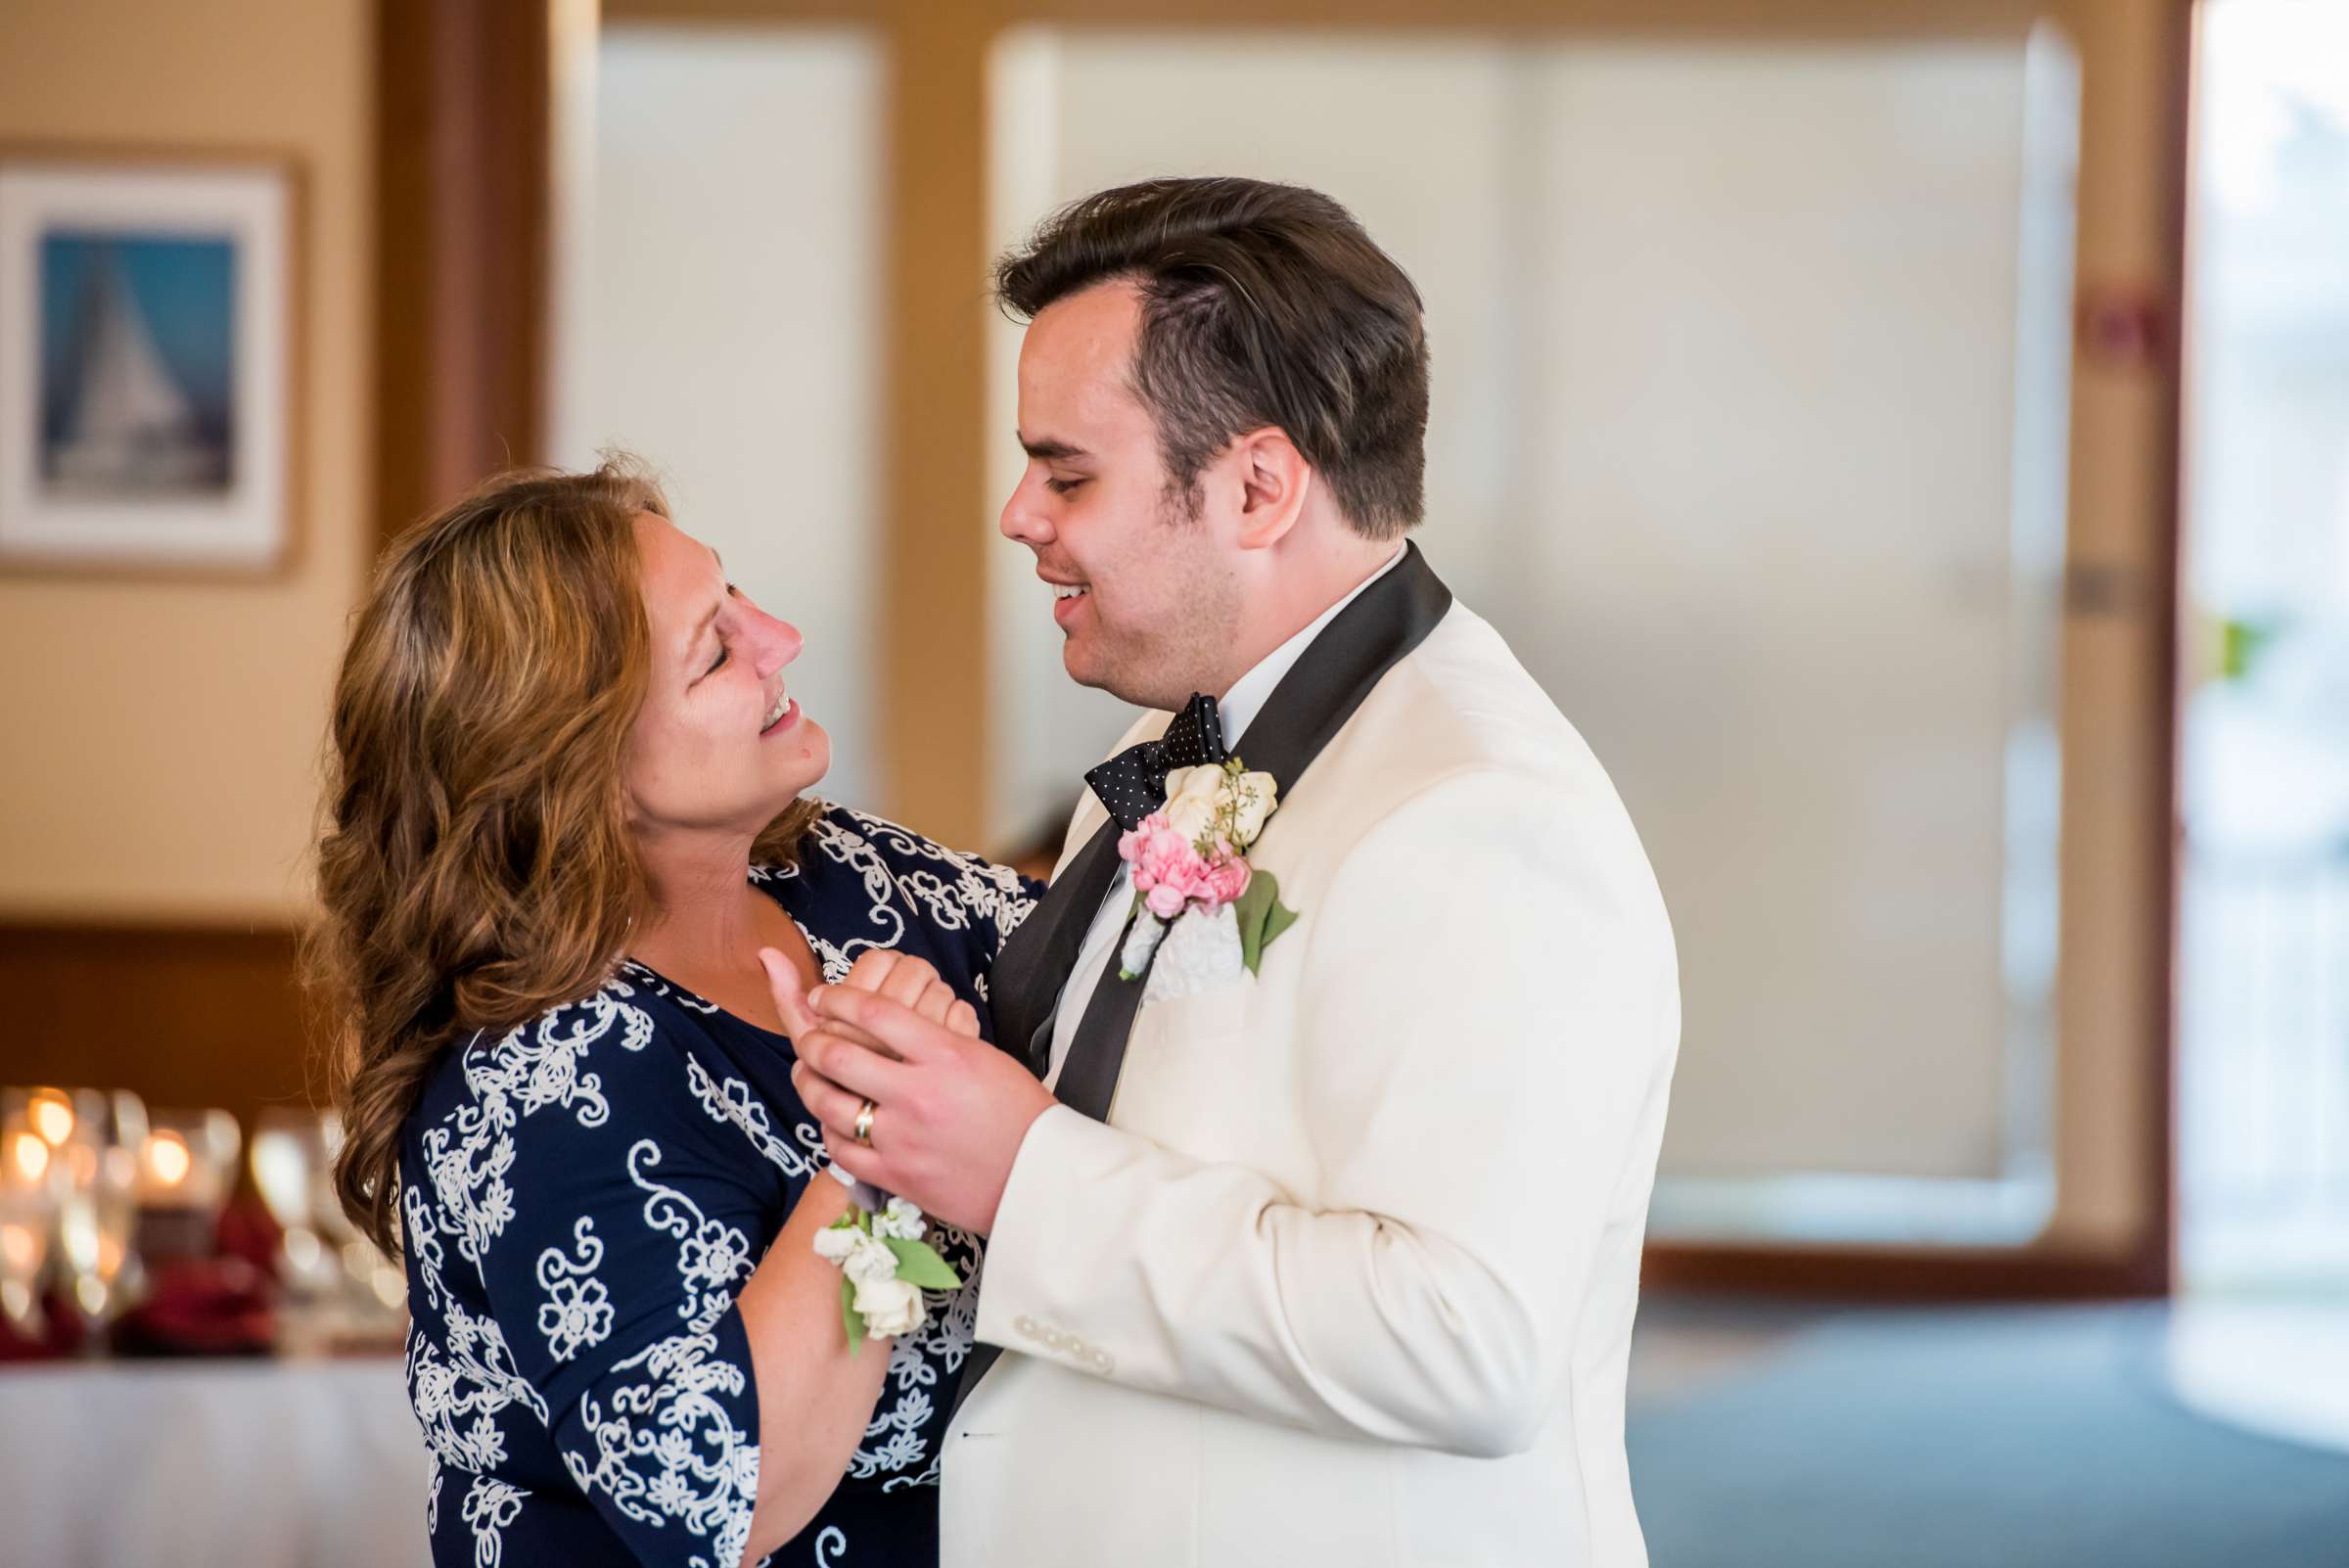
(476, 1377)
(418, 1235)
(525, 1071)
(653, 981)
(852, 850)
(711, 1254)
(894, 1441)
(687, 1461)
(489, 1506)
(736, 1102)
(578, 1311)
(977, 888)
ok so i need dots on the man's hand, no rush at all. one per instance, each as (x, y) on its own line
(951, 1109)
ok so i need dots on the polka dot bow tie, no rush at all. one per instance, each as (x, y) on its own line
(1133, 783)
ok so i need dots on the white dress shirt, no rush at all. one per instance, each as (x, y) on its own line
(1237, 708)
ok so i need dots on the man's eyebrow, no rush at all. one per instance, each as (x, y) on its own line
(1050, 450)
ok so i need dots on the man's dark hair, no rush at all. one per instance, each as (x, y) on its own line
(1261, 304)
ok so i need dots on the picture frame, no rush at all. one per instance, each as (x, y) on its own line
(150, 324)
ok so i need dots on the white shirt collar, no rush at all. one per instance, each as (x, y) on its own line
(1247, 696)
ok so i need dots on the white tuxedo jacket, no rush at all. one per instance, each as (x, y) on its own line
(1349, 1275)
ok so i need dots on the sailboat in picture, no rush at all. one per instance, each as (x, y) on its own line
(131, 429)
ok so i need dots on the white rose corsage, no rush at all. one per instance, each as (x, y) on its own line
(1199, 906)
(884, 1266)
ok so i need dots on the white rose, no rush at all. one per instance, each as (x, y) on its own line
(1257, 794)
(1202, 781)
(901, 1220)
(834, 1244)
(870, 1262)
(1190, 815)
(1193, 795)
(890, 1307)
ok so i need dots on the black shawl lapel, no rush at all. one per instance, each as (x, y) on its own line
(1034, 963)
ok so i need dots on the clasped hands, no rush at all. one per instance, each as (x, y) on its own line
(949, 1111)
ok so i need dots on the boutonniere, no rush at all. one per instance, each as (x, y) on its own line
(1199, 906)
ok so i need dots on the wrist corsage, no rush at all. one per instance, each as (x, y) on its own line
(884, 1266)
(1194, 891)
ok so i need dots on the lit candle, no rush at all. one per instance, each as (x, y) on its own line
(20, 1249)
(165, 1163)
(28, 1156)
(52, 1115)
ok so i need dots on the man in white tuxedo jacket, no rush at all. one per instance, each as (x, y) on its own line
(1335, 1260)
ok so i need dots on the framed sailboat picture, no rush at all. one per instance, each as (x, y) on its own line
(147, 325)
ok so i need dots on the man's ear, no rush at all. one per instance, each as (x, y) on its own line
(1274, 481)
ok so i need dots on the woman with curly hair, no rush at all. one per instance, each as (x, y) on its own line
(568, 810)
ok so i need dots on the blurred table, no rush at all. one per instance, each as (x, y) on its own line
(252, 1463)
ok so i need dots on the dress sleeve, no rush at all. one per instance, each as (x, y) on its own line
(998, 899)
(1021, 895)
(630, 1216)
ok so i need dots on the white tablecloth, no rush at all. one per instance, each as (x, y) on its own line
(191, 1465)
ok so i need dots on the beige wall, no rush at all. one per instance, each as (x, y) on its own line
(758, 344)
(159, 740)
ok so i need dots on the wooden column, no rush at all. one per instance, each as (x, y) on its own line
(462, 203)
(934, 733)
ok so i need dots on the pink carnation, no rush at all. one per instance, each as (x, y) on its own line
(1169, 872)
(1227, 880)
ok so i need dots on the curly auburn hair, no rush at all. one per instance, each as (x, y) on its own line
(477, 866)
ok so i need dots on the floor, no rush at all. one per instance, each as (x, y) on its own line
(2056, 1437)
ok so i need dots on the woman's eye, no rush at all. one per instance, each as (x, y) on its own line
(1060, 486)
(716, 663)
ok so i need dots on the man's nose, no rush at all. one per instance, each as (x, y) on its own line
(1022, 519)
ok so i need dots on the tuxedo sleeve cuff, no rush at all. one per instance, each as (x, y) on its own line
(1036, 1221)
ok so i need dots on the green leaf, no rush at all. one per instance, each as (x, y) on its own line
(1262, 917)
(849, 1315)
(1278, 918)
(918, 1264)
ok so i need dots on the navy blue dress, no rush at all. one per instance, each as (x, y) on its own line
(582, 1198)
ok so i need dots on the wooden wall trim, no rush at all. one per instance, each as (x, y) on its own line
(183, 1018)
(2166, 833)
(464, 193)
(1895, 1275)
(1702, 18)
